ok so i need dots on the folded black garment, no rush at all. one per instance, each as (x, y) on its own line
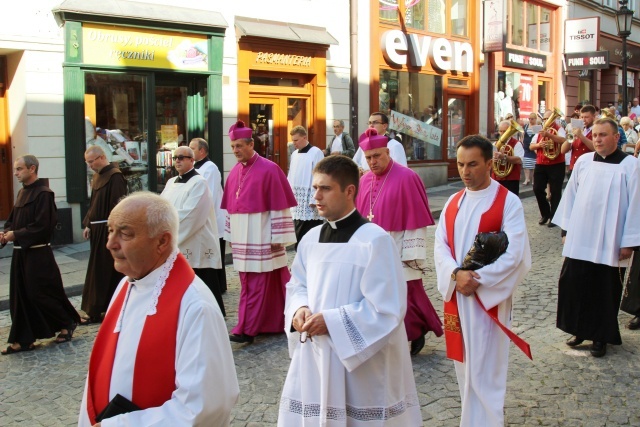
(118, 405)
(486, 249)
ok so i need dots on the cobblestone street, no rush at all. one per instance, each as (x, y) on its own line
(561, 387)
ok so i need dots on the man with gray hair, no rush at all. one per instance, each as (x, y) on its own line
(198, 237)
(163, 343)
(38, 305)
(108, 186)
(341, 143)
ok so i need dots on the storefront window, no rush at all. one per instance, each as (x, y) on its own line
(388, 12)
(545, 29)
(584, 87)
(513, 98)
(115, 120)
(457, 124)
(459, 17)
(414, 15)
(516, 22)
(436, 15)
(416, 101)
(532, 26)
(543, 95)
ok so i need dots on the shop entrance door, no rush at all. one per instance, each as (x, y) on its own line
(6, 164)
(272, 118)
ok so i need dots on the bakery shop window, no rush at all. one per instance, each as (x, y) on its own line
(115, 120)
(413, 103)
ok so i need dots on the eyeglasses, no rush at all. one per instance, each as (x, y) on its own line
(181, 158)
(377, 122)
(90, 162)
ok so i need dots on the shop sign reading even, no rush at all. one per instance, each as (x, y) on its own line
(443, 54)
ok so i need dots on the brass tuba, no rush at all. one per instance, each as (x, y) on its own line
(551, 149)
(502, 168)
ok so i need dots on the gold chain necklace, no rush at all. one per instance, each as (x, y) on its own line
(372, 203)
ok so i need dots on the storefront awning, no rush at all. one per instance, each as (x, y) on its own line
(283, 31)
(137, 13)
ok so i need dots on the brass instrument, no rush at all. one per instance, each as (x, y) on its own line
(501, 167)
(551, 149)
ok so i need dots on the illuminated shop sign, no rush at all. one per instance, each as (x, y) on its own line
(418, 50)
(587, 60)
(525, 60)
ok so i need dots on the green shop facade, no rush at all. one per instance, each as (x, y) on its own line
(138, 83)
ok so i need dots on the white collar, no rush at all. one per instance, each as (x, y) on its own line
(332, 224)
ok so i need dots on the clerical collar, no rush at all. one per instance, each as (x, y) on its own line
(187, 176)
(305, 149)
(341, 223)
(251, 161)
(106, 169)
(614, 158)
(201, 162)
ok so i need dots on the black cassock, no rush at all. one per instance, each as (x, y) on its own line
(108, 187)
(631, 294)
(38, 305)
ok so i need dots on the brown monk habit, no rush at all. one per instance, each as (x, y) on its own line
(108, 187)
(39, 306)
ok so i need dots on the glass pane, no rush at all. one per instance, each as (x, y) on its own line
(261, 119)
(171, 120)
(457, 116)
(418, 98)
(414, 16)
(543, 92)
(532, 26)
(545, 29)
(584, 91)
(436, 16)
(459, 17)
(275, 81)
(388, 12)
(296, 116)
(115, 119)
(513, 98)
(516, 20)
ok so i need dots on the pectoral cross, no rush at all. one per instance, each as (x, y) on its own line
(370, 216)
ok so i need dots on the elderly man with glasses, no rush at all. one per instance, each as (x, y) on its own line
(341, 143)
(108, 186)
(198, 232)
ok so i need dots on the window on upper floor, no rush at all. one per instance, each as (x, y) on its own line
(435, 16)
(529, 25)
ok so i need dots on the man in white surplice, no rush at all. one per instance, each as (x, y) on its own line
(303, 160)
(380, 122)
(198, 236)
(482, 376)
(344, 312)
(163, 344)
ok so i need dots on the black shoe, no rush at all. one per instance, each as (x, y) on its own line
(417, 345)
(598, 349)
(241, 338)
(543, 220)
(574, 341)
(551, 225)
(634, 323)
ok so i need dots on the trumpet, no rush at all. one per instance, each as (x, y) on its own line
(502, 168)
(551, 150)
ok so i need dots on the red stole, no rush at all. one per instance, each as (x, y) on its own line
(154, 371)
(490, 221)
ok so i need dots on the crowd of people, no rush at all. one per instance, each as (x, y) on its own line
(352, 304)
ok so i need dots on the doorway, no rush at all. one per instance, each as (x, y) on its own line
(272, 118)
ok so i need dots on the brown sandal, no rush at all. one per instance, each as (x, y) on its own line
(62, 338)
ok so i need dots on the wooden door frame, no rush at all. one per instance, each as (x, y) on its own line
(6, 160)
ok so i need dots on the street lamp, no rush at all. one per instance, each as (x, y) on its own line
(624, 18)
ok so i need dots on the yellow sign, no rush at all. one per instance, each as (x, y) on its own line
(169, 134)
(122, 47)
(283, 59)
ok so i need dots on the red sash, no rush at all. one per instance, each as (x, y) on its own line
(154, 371)
(490, 221)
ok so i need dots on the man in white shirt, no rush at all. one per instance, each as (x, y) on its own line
(635, 108)
(198, 238)
(163, 344)
(341, 143)
(380, 122)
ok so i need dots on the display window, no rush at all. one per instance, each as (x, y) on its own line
(115, 120)
(530, 25)
(428, 15)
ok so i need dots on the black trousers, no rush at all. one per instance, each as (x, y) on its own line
(512, 185)
(210, 278)
(554, 176)
(222, 273)
(302, 227)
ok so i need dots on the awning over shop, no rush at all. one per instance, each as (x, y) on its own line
(283, 31)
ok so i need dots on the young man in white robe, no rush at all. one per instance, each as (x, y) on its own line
(600, 215)
(198, 233)
(211, 174)
(474, 340)
(163, 344)
(344, 318)
(380, 122)
(303, 160)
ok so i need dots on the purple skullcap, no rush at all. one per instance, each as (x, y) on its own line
(239, 131)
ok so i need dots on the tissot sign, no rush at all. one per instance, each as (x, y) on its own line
(581, 35)
(525, 60)
(587, 60)
(417, 50)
